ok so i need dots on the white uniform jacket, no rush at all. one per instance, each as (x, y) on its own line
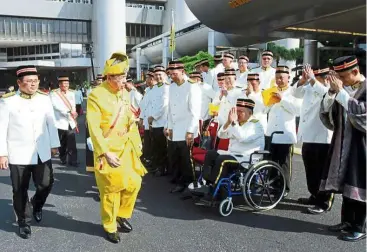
(184, 109)
(259, 112)
(241, 78)
(211, 77)
(282, 117)
(243, 140)
(145, 107)
(226, 103)
(27, 128)
(207, 95)
(311, 129)
(267, 77)
(135, 98)
(62, 112)
(159, 97)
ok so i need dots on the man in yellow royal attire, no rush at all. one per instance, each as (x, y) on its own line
(117, 147)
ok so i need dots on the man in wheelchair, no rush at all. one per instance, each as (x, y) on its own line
(245, 134)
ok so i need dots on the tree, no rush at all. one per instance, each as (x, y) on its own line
(190, 61)
(286, 54)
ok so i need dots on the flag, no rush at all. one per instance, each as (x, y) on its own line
(172, 43)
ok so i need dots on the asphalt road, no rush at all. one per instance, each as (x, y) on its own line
(163, 222)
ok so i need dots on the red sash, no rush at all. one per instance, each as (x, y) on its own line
(68, 105)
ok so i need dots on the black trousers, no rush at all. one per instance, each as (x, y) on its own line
(43, 180)
(68, 149)
(170, 166)
(282, 154)
(181, 159)
(147, 145)
(78, 108)
(218, 166)
(159, 141)
(314, 158)
(354, 213)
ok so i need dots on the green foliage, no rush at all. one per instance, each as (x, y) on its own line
(286, 54)
(190, 61)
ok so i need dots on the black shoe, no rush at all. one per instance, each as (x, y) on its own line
(178, 189)
(63, 162)
(25, 232)
(339, 227)
(315, 210)
(124, 225)
(307, 201)
(37, 213)
(113, 237)
(352, 236)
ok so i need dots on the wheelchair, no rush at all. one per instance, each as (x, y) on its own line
(260, 181)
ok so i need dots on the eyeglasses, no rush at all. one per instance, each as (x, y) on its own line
(32, 81)
(118, 77)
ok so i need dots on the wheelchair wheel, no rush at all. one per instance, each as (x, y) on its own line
(264, 185)
(226, 207)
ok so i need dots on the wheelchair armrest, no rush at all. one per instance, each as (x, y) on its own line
(262, 152)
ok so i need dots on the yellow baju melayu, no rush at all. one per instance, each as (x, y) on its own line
(119, 186)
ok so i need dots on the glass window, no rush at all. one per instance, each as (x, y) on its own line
(55, 48)
(133, 30)
(56, 26)
(2, 28)
(38, 27)
(7, 26)
(13, 26)
(68, 27)
(148, 31)
(10, 52)
(62, 26)
(74, 27)
(46, 49)
(79, 29)
(16, 51)
(23, 50)
(31, 50)
(32, 27)
(38, 49)
(44, 27)
(85, 29)
(25, 26)
(19, 27)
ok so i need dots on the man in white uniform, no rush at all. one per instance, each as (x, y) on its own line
(135, 96)
(314, 135)
(253, 92)
(183, 123)
(145, 107)
(282, 117)
(211, 78)
(157, 120)
(63, 101)
(242, 72)
(266, 72)
(207, 95)
(245, 135)
(28, 136)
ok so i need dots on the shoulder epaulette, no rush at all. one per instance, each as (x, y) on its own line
(254, 120)
(8, 95)
(41, 92)
(191, 81)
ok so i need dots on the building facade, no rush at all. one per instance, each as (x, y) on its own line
(63, 35)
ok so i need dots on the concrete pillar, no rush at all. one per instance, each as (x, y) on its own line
(211, 42)
(165, 52)
(138, 67)
(108, 29)
(310, 52)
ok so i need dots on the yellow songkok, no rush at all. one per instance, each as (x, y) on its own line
(117, 64)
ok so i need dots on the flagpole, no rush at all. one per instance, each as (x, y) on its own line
(172, 31)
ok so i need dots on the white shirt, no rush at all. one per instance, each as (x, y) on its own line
(207, 95)
(79, 97)
(267, 77)
(241, 78)
(184, 109)
(259, 109)
(211, 77)
(159, 97)
(135, 98)
(145, 107)
(27, 129)
(311, 129)
(243, 140)
(282, 117)
(226, 103)
(62, 112)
